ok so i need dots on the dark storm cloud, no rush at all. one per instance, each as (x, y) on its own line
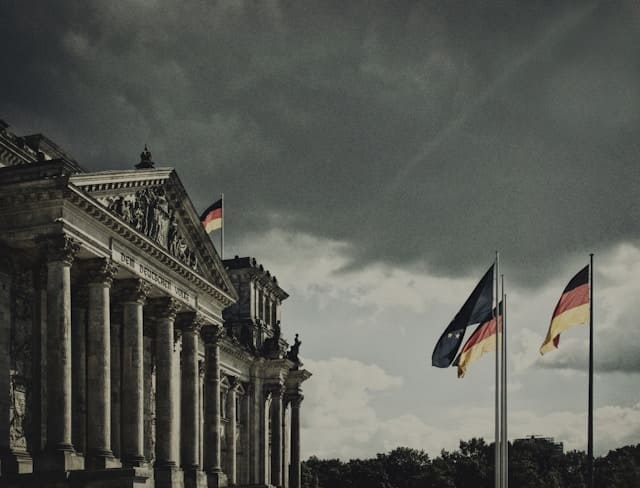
(424, 131)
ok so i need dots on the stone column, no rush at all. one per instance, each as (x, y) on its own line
(210, 336)
(79, 301)
(294, 475)
(276, 434)
(59, 454)
(166, 463)
(116, 378)
(100, 274)
(232, 431)
(190, 324)
(132, 295)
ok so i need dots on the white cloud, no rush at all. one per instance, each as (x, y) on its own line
(324, 275)
(339, 417)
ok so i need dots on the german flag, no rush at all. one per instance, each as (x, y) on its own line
(572, 309)
(211, 218)
(482, 340)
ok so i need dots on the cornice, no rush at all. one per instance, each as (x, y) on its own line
(120, 180)
(235, 349)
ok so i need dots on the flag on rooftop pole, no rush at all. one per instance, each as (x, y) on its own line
(476, 309)
(213, 218)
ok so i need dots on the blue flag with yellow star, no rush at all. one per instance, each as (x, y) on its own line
(477, 309)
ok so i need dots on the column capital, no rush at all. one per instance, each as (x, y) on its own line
(189, 322)
(132, 290)
(61, 247)
(165, 307)
(211, 333)
(100, 271)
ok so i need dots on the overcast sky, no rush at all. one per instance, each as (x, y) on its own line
(374, 155)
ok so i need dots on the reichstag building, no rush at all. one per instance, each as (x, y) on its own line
(131, 354)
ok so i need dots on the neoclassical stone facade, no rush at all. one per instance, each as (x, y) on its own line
(131, 355)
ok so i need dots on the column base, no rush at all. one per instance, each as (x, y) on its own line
(101, 459)
(217, 479)
(168, 476)
(62, 458)
(134, 461)
(18, 462)
(194, 477)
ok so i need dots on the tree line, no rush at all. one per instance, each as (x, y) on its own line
(531, 465)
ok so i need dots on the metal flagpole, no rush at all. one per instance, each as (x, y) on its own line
(590, 414)
(222, 226)
(504, 445)
(498, 473)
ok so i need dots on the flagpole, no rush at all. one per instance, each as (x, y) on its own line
(496, 314)
(590, 414)
(504, 445)
(222, 226)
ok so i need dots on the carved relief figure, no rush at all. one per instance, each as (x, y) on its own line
(148, 211)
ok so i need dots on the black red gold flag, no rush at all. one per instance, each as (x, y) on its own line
(211, 218)
(572, 309)
(482, 340)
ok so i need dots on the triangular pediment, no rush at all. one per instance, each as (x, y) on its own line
(155, 204)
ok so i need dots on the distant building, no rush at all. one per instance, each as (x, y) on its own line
(540, 442)
(131, 355)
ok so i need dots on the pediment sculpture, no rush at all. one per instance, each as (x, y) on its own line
(148, 211)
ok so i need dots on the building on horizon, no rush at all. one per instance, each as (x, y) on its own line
(131, 355)
(547, 443)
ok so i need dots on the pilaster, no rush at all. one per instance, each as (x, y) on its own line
(232, 432)
(79, 304)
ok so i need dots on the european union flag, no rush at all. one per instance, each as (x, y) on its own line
(477, 309)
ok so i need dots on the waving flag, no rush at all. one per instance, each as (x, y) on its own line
(211, 218)
(476, 309)
(482, 340)
(572, 309)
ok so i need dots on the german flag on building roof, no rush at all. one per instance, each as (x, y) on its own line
(211, 218)
(572, 309)
(482, 340)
